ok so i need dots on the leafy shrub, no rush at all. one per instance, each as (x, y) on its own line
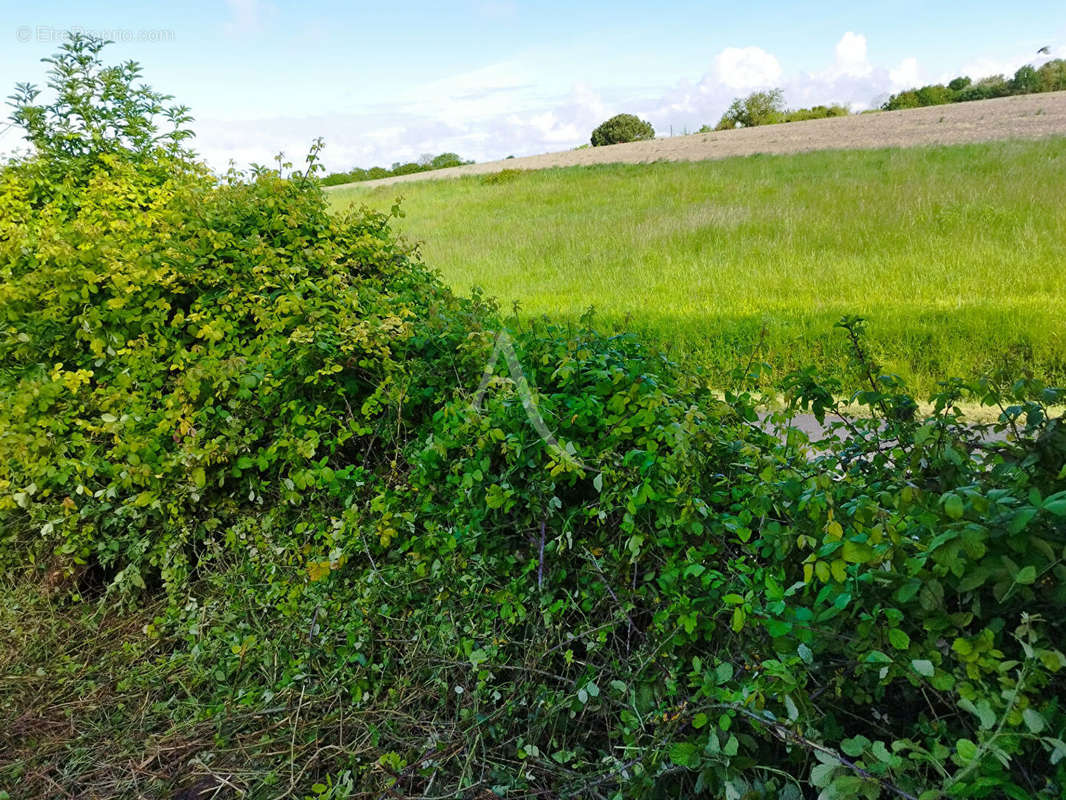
(445, 160)
(935, 95)
(768, 108)
(620, 129)
(814, 112)
(503, 176)
(181, 356)
(1053, 76)
(758, 108)
(1025, 80)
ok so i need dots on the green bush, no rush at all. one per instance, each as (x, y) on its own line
(620, 129)
(1053, 76)
(185, 359)
(815, 112)
(768, 108)
(1025, 81)
(758, 108)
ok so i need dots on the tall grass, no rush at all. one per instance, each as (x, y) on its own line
(954, 254)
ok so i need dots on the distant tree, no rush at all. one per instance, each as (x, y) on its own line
(622, 128)
(1053, 75)
(934, 95)
(425, 163)
(814, 112)
(994, 86)
(960, 83)
(1025, 81)
(758, 108)
(446, 160)
(897, 102)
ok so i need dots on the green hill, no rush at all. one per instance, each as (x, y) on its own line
(954, 254)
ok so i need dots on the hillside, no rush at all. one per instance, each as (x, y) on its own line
(1023, 117)
(953, 253)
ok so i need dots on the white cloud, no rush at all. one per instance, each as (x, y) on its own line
(851, 55)
(746, 68)
(905, 75)
(501, 109)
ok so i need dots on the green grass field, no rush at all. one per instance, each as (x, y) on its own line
(954, 254)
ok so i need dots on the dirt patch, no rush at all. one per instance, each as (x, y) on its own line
(1034, 116)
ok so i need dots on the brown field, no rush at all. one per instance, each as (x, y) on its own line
(1023, 117)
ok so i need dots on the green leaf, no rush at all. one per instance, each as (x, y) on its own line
(685, 754)
(199, 477)
(1021, 518)
(923, 667)
(855, 746)
(597, 482)
(967, 750)
(907, 591)
(857, 552)
(1026, 575)
(790, 708)
(738, 619)
(1033, 721)
(1056, 504)
(953, 505)
(839, 570)
(899, 639)
(881, 753)
(805, 654)
(822, 774)
(699, 720)
(724, 672)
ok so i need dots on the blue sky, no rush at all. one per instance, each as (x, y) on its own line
(385, 82)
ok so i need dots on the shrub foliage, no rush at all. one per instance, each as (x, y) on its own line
(620, 129)
(768, 108)
(378, 587)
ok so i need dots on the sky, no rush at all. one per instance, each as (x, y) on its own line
(384, 82)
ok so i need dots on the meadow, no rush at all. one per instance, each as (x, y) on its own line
(953, 254)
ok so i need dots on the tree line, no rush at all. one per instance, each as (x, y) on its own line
(426, 163)
(1049, 77)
